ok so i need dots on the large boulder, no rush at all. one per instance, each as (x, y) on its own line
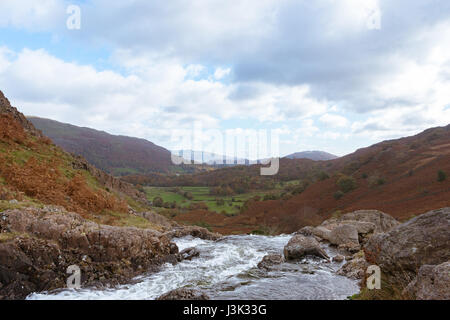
(381, 221)
(184, 294)
(300, 246)
(431, 283)
(401, 252)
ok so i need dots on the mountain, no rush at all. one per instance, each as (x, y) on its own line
(313, 155)
(117, 155)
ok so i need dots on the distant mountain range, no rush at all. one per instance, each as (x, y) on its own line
(312, 155)
(117, 155)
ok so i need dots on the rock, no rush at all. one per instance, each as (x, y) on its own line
(194, 231)
(344, 234)
(349, 248)
(401, 252)
(431, 283)
(13, 201)
(381, 221)
(270, 260)
(184, 294)
(300, 246)
(320, 233)
(188, 254)
(354, 268)
(338, 258)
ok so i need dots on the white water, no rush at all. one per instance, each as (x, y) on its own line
(226, 269)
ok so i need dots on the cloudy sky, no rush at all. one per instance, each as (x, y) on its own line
(332, 75)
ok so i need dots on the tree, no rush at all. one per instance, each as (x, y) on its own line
(158, 202)
(346, 183)
(441, 176)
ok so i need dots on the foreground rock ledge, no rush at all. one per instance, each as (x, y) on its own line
(38, 245)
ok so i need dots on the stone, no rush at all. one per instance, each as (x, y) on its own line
(300, 246)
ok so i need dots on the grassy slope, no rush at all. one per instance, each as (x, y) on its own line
(35, 172)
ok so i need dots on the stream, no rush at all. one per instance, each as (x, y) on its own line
(226, 269)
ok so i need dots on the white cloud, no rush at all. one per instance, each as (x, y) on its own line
(220, 73)
(334, 120)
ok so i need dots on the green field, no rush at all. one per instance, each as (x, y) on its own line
(231, 205)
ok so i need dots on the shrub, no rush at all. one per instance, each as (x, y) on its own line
(376, 181)
(158, 202)
(323, 175)
(441, 176)
(346, 184)
(338, 194)
(188, 195)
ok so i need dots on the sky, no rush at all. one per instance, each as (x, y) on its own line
(332, 75)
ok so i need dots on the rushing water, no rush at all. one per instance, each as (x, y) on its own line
(226, 269)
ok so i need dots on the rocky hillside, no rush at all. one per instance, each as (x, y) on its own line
(117, 155)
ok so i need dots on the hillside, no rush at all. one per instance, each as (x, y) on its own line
(117, 155)
(312, 155)
(402, 177)
(35, 172)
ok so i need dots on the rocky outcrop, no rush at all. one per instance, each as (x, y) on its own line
(352, 229)
(270, 260)
(300, 246)
(431, 283)
(44, 242)
(184, 294)
(401, 252)
(6, 108)
(194, 231)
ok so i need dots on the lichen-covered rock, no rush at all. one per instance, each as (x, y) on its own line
(431, 283)
(300, 246)
(184, 294)
(401, 252)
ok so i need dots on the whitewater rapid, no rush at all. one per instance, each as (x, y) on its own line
(226, 269)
